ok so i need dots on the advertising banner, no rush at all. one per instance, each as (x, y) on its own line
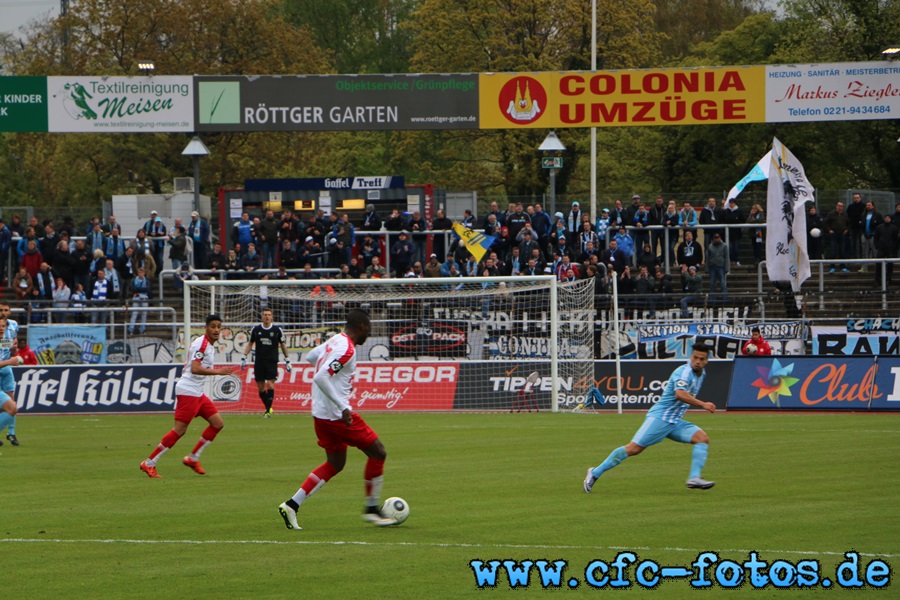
(816, 383)
(832, 92)
(72, 345)
(623, 98)
(851, 341)
(376, 386)
(120, 104)
(23, 104)
(337, 102)
(106, 389)
(484, 385)
(432, 338)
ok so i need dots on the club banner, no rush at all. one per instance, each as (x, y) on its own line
(851, 342)
(675, 341)
(71, 345)
(816, 383)
(120, 104)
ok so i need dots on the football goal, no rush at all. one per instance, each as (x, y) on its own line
(436, 344)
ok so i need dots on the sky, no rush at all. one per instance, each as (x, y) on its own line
(15, 13)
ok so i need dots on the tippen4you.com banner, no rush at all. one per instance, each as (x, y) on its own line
(816, 383)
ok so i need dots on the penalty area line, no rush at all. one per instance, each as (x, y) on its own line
(767, 551)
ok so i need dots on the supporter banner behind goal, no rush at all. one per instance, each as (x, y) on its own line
(670, 341)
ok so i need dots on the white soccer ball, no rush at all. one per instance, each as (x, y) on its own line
(815, 232)
(395, 508)
(751, 348)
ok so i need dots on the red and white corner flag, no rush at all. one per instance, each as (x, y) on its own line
(789, 190)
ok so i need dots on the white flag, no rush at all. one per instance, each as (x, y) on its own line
(757, 173)
(789, 191)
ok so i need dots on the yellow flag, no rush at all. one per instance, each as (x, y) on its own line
(476, 243)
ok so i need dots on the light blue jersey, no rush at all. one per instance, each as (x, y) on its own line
(7, 381)
(669, 408)
(9, 337)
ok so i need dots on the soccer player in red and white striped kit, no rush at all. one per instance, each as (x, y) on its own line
(337, 426)
(190, 401)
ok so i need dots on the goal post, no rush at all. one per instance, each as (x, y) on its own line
(436, 344)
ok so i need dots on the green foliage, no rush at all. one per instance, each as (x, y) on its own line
(360, 36)
(86, 523)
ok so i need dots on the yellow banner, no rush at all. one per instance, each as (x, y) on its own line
(623, 98)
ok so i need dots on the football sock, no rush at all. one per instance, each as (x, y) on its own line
(169, 440)
(5, 419)
(698, 459)
(316, 480)
(271, 399)
(12, 427)
(614, 458)
(206, 438)
(374, 479)
(264, 396)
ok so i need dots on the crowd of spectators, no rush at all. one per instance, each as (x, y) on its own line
(62, 265)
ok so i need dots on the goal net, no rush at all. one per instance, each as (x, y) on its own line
(508, 343)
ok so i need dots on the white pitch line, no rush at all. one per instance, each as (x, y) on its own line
(767, 551)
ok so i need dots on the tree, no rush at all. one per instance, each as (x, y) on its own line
(360, 36)
(107, 37)
(509, 36)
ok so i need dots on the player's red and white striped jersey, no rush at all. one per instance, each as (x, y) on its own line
(193, 385)
(335, 362)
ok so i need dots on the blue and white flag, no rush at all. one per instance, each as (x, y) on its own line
(757, 173)
(789, 191)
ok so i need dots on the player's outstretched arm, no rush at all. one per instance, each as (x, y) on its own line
(687, 398)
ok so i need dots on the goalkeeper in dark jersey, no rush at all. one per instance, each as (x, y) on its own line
(266, 338)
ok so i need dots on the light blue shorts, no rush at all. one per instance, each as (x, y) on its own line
(7, 383)
(654, 430)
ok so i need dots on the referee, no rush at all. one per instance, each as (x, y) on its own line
(267, 338)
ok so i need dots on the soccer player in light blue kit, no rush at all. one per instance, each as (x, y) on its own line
(665, 420)
(9, 334)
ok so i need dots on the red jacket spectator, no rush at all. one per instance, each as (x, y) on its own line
(756, 339)
(27, 354)
(32, 259)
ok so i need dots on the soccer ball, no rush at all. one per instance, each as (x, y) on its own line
(751, 348)
(395, 508)
(815, 232)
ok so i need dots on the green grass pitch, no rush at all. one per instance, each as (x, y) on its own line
(79, 520)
